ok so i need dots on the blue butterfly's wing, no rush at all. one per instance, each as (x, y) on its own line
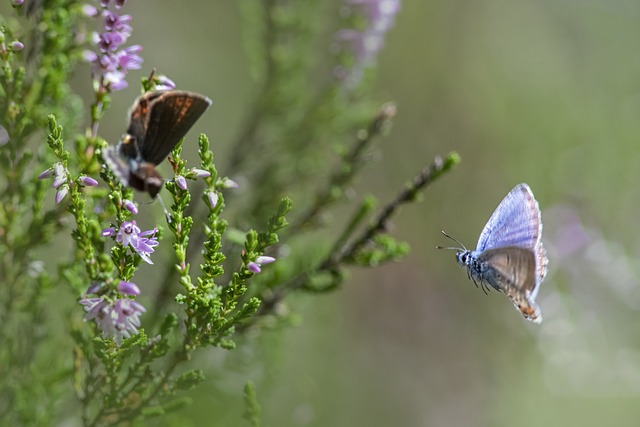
(512, 270)
(517, 222)
(541, 268)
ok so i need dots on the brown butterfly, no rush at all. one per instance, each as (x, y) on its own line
(158, 121)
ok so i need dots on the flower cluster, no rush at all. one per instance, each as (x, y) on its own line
(365, 44)
(61, 180)
(118, 317)
(112, 62)
(130, 234)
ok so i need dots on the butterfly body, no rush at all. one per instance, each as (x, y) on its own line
(157, 122)
(509, 255)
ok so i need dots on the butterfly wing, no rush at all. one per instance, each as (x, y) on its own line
(515, 222)
(117, 164)
(514, 271)
(158, 120)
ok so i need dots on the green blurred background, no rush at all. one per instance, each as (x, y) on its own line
(544, 92)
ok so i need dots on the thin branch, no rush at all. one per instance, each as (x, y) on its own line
(348, 251)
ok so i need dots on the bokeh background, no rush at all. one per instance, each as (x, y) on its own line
(544, 92)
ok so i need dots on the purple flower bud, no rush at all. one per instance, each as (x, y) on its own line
(110, 41)
(115, 80)
(128, 58)
(16, 45)
(93, 288)
(88, 181)
(17, 2)
(128, 288)
(107, 232)
(253, 267)
(104, 3)
(120, 3)
(117, 23)
(164, 83)
(213, 199)
(89, 11)
(60, 175)
(58, 181)
(61, 193)
(365, 43)
(89, 56)
(46, 174)
(198, 173)
(95, 37)
(181, 182)
(130, 206)
(108, 62)
(262, 260)
(229, 183)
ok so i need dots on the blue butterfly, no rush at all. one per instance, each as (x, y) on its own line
(509, 256)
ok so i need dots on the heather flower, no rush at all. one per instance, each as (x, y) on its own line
(254, 266)
(164, 83)
(89, 56)
(181, 182)
(118, 24)
(46, 174)
(59, 175)
(130, 206)
(198, 173)
(112, 62)
(61, 193)
(115, 80)
(88, 181)
(128, 58)
(118, 319)
(128, 288)
(229, 183)
(213, 199)
(89, 11)
(93, 288)
(365, 43)
(118, 3)
(130, 234)
(262, 260)
(16, 45)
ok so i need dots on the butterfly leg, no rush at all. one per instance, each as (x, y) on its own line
(485, 288)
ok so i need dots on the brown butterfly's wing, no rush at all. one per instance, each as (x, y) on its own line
(160, 119)
(513, 270)
(117, 164)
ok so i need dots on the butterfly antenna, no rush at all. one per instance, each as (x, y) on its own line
(452, 247)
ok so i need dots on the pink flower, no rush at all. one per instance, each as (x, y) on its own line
(130, 235)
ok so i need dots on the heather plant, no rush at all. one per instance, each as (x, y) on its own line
(78, 317)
